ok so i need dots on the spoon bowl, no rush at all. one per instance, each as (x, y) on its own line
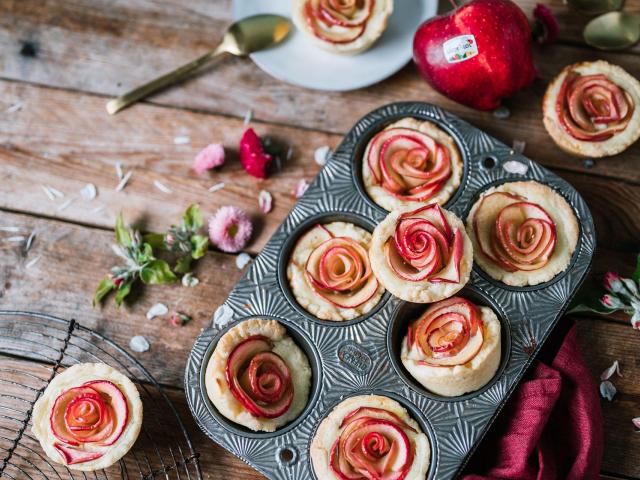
(613, 31)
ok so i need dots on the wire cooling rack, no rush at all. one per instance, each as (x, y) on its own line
(34, 348)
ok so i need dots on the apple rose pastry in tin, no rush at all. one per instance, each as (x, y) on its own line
(88, 417)
(423, 255)
(257, 376)
(591, 109)
(370, 437)
(411, 162)
(523, 233)
(342, 26)
(330, 274)
(453, 348)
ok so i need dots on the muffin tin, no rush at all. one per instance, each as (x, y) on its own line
(362, 355)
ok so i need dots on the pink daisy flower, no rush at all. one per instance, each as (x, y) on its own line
(230, 229)
(210, 157)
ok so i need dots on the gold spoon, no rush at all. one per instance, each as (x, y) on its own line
(242, 38)
(613, 31)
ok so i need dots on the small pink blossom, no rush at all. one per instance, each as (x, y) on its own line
(612, 281)
(210, 157)
(636, 422)
(230, 229)
(265, 201)
(607, 300)
(253, 158)
(300, 188)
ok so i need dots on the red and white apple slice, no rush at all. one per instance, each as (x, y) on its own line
(338, 21)
(118, 411)
(73, 456)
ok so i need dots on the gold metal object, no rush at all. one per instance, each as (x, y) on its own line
(613, 31)
(242, 38)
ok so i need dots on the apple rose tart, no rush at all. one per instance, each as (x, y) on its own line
(591, 109)
(257, 376)
(342, 26)
(330, 274)
(411, 162)
(370, 437)
(421, 256)
(453, 348)
(88, 417)
(523, 233)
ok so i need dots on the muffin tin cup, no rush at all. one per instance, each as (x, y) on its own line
(362, 355)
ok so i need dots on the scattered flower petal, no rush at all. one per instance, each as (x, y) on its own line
(29, 243)
(216, 187)
(157, 310)
(242, 260)
(614, 368)
(15, 239)
(322, 155)
(222, 316)
(32, 262)
(48, 193)
(162, 187)
(65, 205)
(289, 153)
(252, 155)
(636, 422)
(502, 113)
(14, 108)
(607, 390)
(51, 192)
(301, 187)
(230, 229)
(519, 146)
(89, 191)
(179, 319)
(211, 156)
(248, 116)
(546, 27)
(123, 181)
(56, 193)
(181, 140)
(513, 166)
(119, 172)
(635, 319)
(139, 344)
(98, 209)
(265, 201)
(9, 229)
(190, 280)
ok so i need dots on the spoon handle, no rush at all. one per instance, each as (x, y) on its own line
(131, 97)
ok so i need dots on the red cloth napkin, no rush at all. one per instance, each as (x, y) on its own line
(551, 427)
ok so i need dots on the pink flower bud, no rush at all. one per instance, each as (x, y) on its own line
(612, 281)
(210, 157)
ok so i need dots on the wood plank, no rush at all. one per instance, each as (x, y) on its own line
(101, 59)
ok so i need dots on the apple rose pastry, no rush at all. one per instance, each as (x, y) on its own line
(330, 274)
(88, 417)
(257, 376)
(421, 256)
(591, 109)
(411, 162)
(370, 437)
(342, 26)
(453, 348)
(523, 233)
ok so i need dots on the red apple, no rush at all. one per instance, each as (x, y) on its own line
(477, 54)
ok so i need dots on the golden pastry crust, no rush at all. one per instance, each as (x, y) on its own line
(616, 144)
(74, 377)
(387, 201)
(329, 430)
(283, 345)
(460, 379)
(376, 25)
(302, 290)
(422, 291)
(567, 231)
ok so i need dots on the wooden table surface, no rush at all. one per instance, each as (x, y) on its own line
(61, 59)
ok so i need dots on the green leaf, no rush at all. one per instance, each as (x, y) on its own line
(105, 286)
(156, 240)
(183, 265)
(157, 272)
(193, 217)
(636, 274)
(199, 245)
(123, 237)
(123, 291)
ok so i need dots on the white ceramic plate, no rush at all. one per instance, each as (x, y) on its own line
(299, 62)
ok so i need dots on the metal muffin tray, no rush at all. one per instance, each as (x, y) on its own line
(362, 355)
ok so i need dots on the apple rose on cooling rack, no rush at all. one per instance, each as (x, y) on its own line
(342, 26)
(329, 272)
(411, 162)
(523, 233)
(592, 109)
(423, 255)
(370, 437)
(88, 417)
(453, 348)
(257, 376)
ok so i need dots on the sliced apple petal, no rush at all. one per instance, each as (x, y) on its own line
(118, 409)
(73, 456)
(451, 272)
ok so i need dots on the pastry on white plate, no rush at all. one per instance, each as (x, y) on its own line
(411, 162)
(453, 348)
(257, 376)
(591, 109)
(423, 255)
(88, 417)
(329, 272)
(370, 437)
(523, 233)
(342, 26)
